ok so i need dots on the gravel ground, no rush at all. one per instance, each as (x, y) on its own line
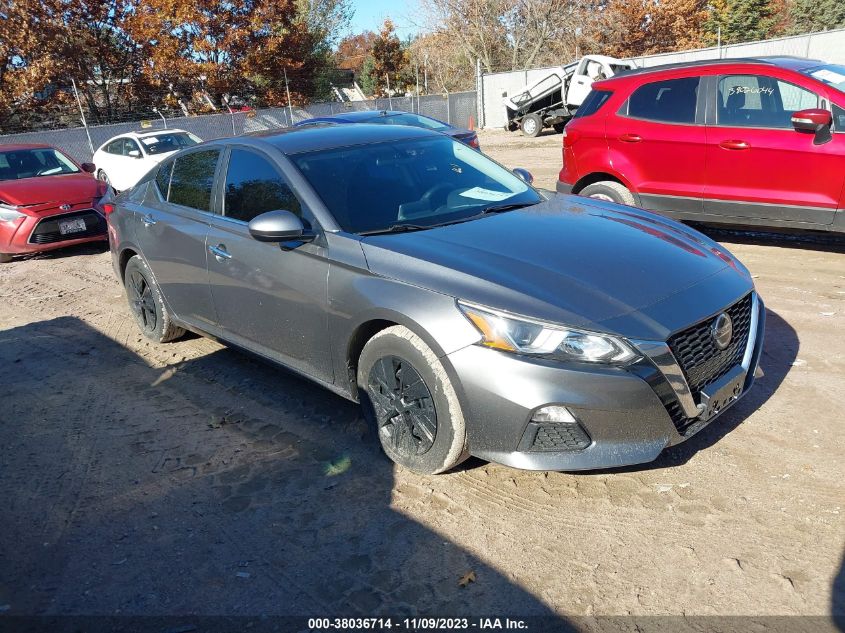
(188, 478)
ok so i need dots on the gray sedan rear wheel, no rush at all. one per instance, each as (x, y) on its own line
(147, 304)
(406, 393)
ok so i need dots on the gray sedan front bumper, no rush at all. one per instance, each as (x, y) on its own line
(622, 411)
(564, 188)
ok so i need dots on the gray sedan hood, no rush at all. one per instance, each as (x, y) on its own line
(570, 260)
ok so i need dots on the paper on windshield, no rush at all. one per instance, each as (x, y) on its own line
(828, 75)
(479, 193)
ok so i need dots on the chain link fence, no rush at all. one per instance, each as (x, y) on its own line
(458, 109)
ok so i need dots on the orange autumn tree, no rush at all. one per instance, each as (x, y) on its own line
(387, 59)
(46, 45)
(353, 50)
(25, 72)
(225, 47)
(630, 28)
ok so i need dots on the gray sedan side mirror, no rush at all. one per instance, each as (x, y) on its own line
(523, 174)
(277, 226)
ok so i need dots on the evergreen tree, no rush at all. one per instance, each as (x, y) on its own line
(817, 15)
(741, 20)
(369, 80)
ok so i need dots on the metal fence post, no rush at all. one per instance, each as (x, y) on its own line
(287, 90)
(82, 114)
(479, 94)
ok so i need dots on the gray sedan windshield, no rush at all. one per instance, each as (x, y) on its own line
(424, 183)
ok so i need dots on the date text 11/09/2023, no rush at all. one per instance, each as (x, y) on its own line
(417, 624)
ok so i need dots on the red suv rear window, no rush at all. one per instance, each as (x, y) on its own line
(593, 101)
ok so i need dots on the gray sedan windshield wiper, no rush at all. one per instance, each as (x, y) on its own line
(397, 228)
(507, 207)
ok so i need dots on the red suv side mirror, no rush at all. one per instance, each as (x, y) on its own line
(814, 120)
(811, 119)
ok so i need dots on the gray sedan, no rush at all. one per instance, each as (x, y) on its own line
(467, 313)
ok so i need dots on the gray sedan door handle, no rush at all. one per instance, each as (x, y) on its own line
(220, 252)
(148, 220)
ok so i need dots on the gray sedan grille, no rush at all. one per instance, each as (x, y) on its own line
(696, 352)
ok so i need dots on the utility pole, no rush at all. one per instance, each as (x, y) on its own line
(287, 89)
(719, 41)
(417, 72)
(425, 73)
(389, 98)
(82, 114)
(231, 113)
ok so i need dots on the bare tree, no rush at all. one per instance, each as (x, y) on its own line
(445, 61)
(476, 25)
(512, 34)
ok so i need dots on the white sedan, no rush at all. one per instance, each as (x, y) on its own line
(123, 160)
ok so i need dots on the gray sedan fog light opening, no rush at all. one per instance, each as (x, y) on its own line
(553, 428)
(553, 414)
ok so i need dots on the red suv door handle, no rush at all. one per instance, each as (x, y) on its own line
(630, 138)
(734, 145)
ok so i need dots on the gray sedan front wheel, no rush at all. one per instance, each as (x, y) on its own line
(407, 395)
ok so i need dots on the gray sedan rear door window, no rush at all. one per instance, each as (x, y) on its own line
(193, 179)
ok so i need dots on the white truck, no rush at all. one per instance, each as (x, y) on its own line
(553, 99)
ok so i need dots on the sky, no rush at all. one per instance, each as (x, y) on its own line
(369, 15)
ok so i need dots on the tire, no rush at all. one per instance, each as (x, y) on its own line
(426, 433)
(147, 304)
(103, 177)
(609, 190)
(559, 127)
(531, 125)
(5, 258)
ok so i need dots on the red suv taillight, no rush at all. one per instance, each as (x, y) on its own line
(108, 208)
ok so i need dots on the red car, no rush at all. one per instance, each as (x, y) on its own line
(733, 141)
(47, 201)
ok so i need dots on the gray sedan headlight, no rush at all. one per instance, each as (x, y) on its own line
(526, 336)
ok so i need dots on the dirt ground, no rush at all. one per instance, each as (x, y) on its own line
(187, 478)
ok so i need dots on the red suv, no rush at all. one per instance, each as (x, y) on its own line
(733, 141)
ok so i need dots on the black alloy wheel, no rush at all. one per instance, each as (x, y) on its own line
(142, 301)
(403, 406)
